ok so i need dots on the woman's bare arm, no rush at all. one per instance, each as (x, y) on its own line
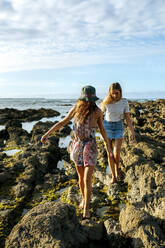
(102, 130)
(129, 123)
(58, 125)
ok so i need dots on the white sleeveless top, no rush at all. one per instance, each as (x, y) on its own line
(115, 111)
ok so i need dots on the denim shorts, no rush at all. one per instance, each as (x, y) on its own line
(114, 130)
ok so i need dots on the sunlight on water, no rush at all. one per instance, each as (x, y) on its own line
(28, 126)
(121, 206)
(24, 212)
(64, 141)
(99, 135)
(108, 170)
(60, 164)
(11, 152)
(61, 190)
(53, 119)
(2, 127)
(101, 211)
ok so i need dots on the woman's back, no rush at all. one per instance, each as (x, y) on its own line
(87, 129)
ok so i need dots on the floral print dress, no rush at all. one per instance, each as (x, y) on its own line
(84, 147)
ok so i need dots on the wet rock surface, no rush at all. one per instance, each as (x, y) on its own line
(8, 114)
(39, 202)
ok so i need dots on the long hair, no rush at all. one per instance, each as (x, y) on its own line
(83, 110)
(109, 99)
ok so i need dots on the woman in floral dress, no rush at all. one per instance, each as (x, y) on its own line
(87, 118)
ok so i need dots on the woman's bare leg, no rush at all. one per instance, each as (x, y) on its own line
(88, 171)
(80, 172)
(116, 154)
(111, 163)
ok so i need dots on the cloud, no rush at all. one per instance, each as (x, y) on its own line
(6, 6)
(53, 34)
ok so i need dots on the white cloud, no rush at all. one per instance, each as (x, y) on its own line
(53, 34)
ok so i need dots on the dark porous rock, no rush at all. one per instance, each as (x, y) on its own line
(5, 213)
(40, 128)
(142, 227)
(63, 132)
(52, 180)
(2, 156)
(25, 182)
(102, 176)
(143, 165)
(163, 112)
(17, 136)
(25, 154)
(2, 143)
(47, 225)
(13, 123)
(114, 190)
(93, 230)
(25, 115)
(114, 234)
(31, 161)
(21, 189)
(51, 153)
(146, 180)
(70, 169)
(47, 154)
(72, 195)
(136, 202)
(4, 134)
(4, 176)
(134, 112)
(65, 155)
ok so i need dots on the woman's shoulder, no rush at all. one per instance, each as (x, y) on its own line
(124, 100)
(98, 112)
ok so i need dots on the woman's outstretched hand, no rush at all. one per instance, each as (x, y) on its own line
(44, 138)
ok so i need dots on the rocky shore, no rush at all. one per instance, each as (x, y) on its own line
(39, 201)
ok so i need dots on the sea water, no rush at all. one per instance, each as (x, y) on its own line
(60, 105)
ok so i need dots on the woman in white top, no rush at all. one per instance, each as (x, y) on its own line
(116, 109)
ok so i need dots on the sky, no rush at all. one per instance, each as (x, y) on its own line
(52, 48)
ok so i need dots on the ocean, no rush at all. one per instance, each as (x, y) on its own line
(60, 105)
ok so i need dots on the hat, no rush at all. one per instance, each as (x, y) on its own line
(88, 94)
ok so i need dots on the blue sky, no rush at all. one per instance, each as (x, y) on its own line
(51, 48)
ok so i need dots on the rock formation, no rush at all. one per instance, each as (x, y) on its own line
(39, 202)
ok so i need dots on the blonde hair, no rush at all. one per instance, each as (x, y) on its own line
(83, 109)
(108, 99)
